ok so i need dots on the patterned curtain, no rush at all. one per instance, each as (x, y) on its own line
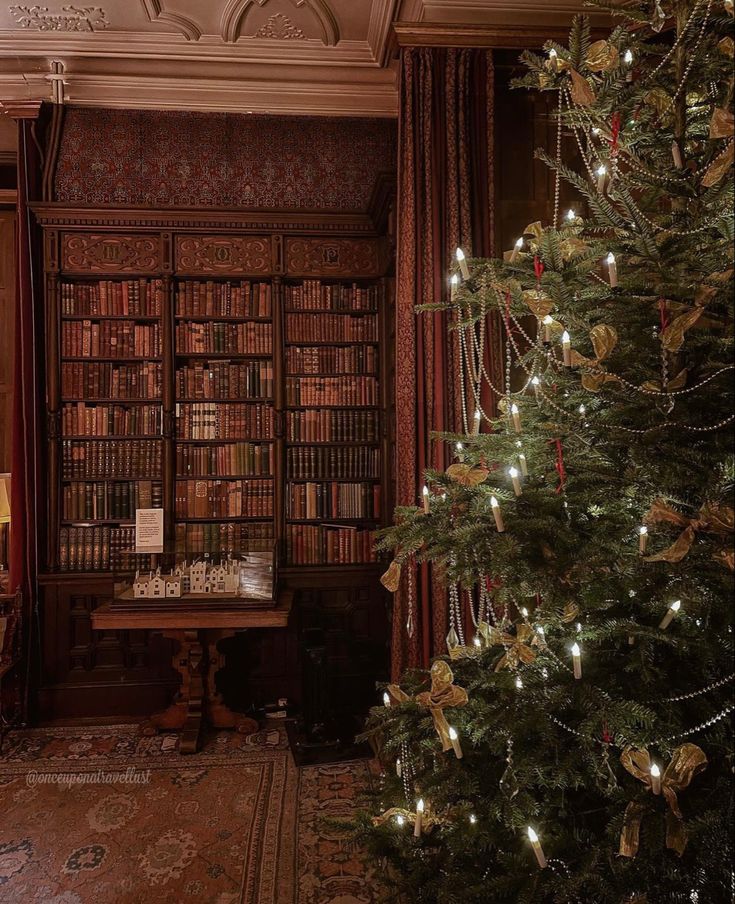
(446, 195)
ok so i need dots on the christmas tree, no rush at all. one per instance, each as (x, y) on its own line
(575, 745)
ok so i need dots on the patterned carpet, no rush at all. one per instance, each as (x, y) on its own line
(103, 814)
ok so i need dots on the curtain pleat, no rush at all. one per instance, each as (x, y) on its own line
(445, 200)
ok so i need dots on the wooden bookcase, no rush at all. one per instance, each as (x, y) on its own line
(305, 453)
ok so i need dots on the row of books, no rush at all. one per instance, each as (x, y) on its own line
(345, 390)
(308, 544)
(224, 498)
(80, 380)
(79, 419)
(249, 338)
(83, 500)
(110, 339)
(314, 295)
(230, 538)
(223, 299)
(315, 501)
(331, 328)
(113, 298)
(358, 359)
(333, 462)
(231, 458)
(225, 380)
(126, 458)
(223, 420)
(95, 548)
(328, 426)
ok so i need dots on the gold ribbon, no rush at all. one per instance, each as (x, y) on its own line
(517, 647)
(428, 819)
(443, 693)
(712, 518)
(687, 761)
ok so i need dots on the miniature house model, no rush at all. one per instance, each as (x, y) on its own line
(198, 578)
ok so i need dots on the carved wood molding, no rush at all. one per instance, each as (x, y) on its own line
(185, 26)
(233, 221)
(236, 11)
(105, 253)
(246, 256)
(333, 257)
(438, 34)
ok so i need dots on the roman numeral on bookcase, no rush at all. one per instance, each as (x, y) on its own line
(240, 382)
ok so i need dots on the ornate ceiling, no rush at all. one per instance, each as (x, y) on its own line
(276, 56)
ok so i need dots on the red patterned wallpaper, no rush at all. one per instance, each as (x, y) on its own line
(175, 159)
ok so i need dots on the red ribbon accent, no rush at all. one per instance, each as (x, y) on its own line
(492, 583)
(538, 267)
(560, 469)
(663, 310)
(615, 130)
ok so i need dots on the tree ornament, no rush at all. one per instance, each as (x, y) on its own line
(452, 640)
(658, 17)
(602, 57)
(712, 518)
(517, 647)
(467, 475)
(687, 762)
(581, 92)
(443, 693)
(392, 577)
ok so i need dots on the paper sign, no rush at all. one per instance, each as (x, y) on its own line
(149, 530)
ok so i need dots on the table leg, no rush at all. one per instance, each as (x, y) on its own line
(218, 713)
(185, 713)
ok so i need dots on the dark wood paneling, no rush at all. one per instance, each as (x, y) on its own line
(319, 257)
(101, 253)
(223, 255)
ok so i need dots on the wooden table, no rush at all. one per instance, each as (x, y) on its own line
(197, 633)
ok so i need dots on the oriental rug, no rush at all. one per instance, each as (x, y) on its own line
(103, 814)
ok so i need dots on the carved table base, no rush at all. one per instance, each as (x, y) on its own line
(198, 697)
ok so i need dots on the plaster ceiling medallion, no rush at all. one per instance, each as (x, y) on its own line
(156, 13)
(281, 28)
(68, 18)
(237, 11)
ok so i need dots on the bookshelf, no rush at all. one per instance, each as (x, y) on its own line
(256, 406)
(236, 381)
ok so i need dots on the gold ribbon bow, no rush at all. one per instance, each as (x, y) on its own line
(712, 518)
(687, 761)
(517, 647)
(443, 693)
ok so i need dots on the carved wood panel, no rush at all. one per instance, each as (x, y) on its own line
(105, 253)
(237, 255)
(333, 257)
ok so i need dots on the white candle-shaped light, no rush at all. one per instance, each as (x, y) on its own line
(571, 216)
(477, 642)
(537, 849)
(514, 475)
(601, 177)
(548, 322)
(670, 613)
(642, 539)
(426, 498)
(497, 514)
(516, 250)
(462, 261)
(577, 661)
(400, 821)
(553, 60)
(612, 269)
(628, 57)
(399, 768)
(386, 700)
(536, 383)
(655, 778)
(418, 826)
(519, 683)
(676, 154)
(566, 347)
(476, 422)
(456, 746)
(459, 450)
(453, 286)
(516, 415)
(523, 463)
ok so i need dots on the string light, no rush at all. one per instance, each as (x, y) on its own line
(516, 250)
(547, 322)
(537, 849)
(516, 415)
(459, 449)
(519, 682)
(386, 700)
(566, 345)
(400, 821)
(601, 177)
(473, 818)
(418, 825)
(523, 463)
(462, 261)
(571, 215)
(628, 57)
(612, 268)
(577, 660)
(456, 746)
(554, 59)
(670, 613)
(476, 422)
(454, 285)
(514, 473)
(426, 498)
(655, 779)
(642, 539)
(497, 514)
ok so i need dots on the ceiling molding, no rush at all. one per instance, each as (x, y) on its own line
(438, 34)
(21, 109)
(236, 12)
(380, 33)
(185, 26)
